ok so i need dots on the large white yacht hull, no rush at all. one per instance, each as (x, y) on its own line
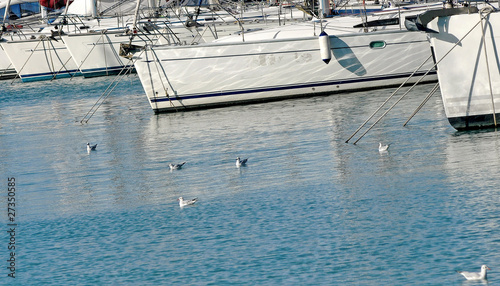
(469, 73)
(184, 77)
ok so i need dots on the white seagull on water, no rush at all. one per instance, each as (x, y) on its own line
(240, 162)
(475, 275)
(382, 148)
(183, 203)
(176, 166)
(91, 147)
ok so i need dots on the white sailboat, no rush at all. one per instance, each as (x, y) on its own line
(43, 55)
(279, 63)
(40, 54)
(13, 10)
(97, 52)
(466, 46)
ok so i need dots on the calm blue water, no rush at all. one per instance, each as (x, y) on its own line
(308, 209)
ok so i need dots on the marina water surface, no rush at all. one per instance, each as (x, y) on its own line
(307, 209)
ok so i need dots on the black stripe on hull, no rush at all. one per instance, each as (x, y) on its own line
(474, 122)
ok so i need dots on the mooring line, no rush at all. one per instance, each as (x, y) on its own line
(105, 94)
(387, 100)
(395, 103)
(431, 93)
(32, 52)
(85, 59)
(434, 66)
(487, 11)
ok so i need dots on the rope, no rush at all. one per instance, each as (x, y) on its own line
(446, 54)
(105, 95)
(169, 32)
(434, 89)
(79, 67)
(126, 69)
(49, 62)
(104, 50)
(63, 67)
(115, 52)
(487, 11)
(166, 78)
(387, 100)
(60, 60)
(32, 52)
(151, 79)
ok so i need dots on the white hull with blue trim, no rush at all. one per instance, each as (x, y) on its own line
(96, 53)
(183, 77)
(40, 59)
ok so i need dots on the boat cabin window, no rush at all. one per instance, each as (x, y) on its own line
(377, 45)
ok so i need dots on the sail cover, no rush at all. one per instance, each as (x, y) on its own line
(54, 4)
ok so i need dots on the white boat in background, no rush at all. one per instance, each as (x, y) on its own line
(38, 53)
(43, 55)
(42, 58)
(97, 52)
(18, 9)
(7, 70)
(13, 10)
(466, 46)
(278, 63)
(85, 40)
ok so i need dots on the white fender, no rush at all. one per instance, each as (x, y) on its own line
(324, 47)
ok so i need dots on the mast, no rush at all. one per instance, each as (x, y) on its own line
(324, 6)
(136, 15)
(6, 14)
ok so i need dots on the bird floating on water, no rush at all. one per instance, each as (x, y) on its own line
(183, 202)
(382, 148)
(176, 166)
(91, 147)
(475, 275)
(240, 162)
